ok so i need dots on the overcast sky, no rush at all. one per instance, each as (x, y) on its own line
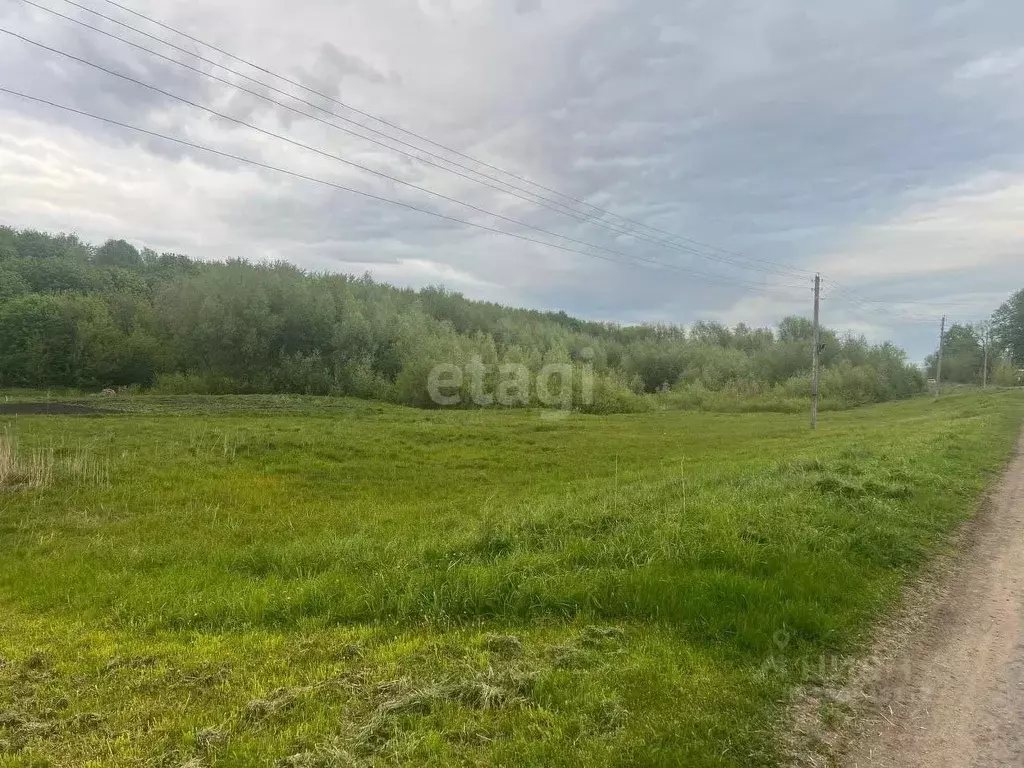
(880, 142)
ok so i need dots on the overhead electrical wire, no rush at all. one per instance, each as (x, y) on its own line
(740, 260)
(337, 158)
(841, 294)
(747, 262)
(485, 181)
(884, 312)
(885, 304)
(872, 312)
(875, 313)
(380, 198)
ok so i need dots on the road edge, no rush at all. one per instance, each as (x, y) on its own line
(827, 720)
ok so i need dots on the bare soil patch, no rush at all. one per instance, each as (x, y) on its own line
(50, 409)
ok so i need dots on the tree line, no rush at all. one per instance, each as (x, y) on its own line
(989, 352)
(80, 316)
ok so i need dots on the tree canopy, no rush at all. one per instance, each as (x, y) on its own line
(76, 315)
(1008, 328)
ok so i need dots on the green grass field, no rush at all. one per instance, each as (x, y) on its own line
(302, 582)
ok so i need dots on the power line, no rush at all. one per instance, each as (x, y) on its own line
(337, 158)
(850, 296)
(747, 263)
(485, 180)
(882, 303)
(370, 195)
(868, 312)
(747, 260)
(841, 294)
(874, 308)
(875, 315)
(838, 294)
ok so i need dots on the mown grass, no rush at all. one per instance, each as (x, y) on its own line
(313, 582)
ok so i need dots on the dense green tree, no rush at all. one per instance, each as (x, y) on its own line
(118, 253)
(8, 242)
(12, 283)
(711, 333)
(752, 340)
(71, 315)
(963, 356)
(796, 329)
(69, 340)
(31, 244)
(37, 342)
(1008, 328)
(55, 274)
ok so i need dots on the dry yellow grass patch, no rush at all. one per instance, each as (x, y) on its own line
(37, 468)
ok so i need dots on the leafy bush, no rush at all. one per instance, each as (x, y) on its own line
(77, 316)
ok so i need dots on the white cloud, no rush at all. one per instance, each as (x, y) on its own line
(885, 134)
(974, 225)
(758, 309)
(61, 178)
(421, 273)
(998, 64)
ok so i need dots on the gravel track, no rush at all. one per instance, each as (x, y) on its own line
(955, 695)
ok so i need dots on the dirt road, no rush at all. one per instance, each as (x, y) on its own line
(955, 696)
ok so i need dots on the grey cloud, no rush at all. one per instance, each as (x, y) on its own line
(818, 133)
(332, 66)
(778, 128)
(527, 6)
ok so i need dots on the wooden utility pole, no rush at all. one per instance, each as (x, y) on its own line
(984, 370)
(938, 367)
(817, 350)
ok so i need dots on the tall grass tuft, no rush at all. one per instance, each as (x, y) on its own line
(17, 470)
(41, 467)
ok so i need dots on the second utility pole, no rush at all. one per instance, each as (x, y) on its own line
(938, 372)
(817, 348)
(984, 369)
